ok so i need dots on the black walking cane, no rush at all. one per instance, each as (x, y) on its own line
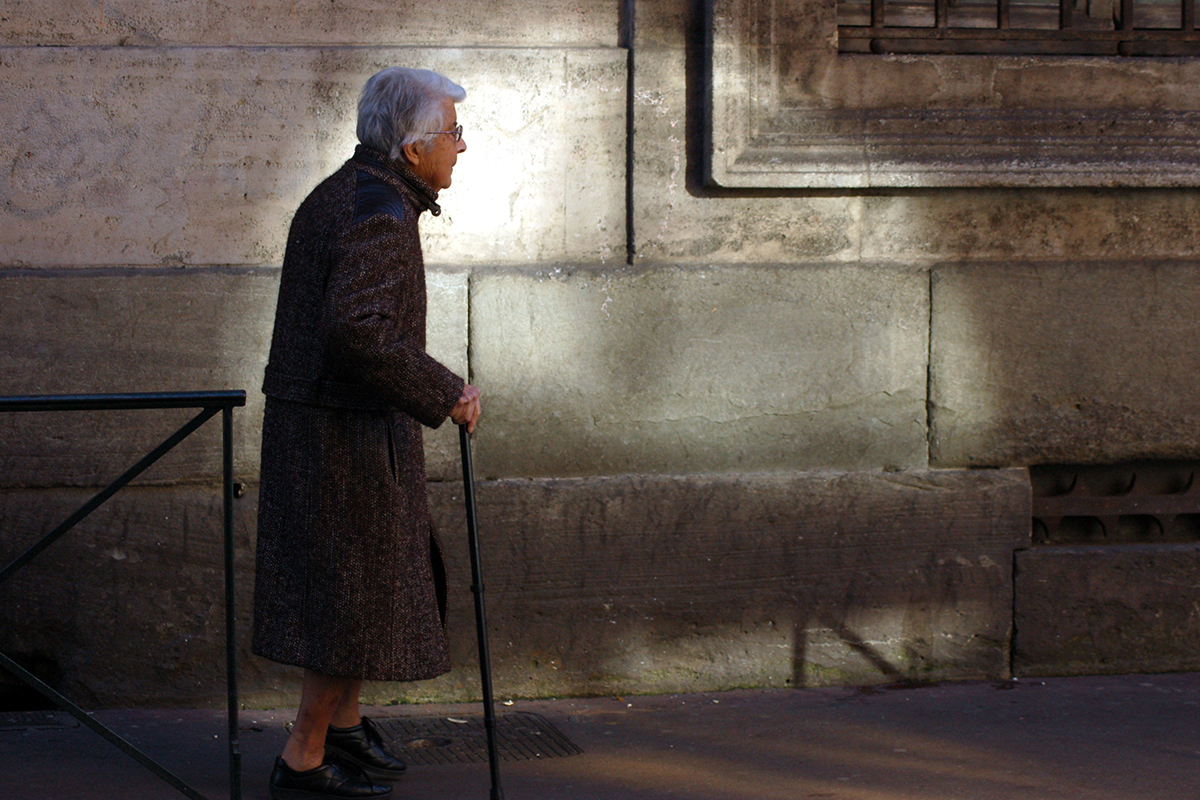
(485, 666)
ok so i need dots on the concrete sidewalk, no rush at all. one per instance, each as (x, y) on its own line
(1094, 738)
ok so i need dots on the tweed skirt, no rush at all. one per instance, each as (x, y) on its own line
(347, 570)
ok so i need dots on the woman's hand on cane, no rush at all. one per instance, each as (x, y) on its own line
(467, 410)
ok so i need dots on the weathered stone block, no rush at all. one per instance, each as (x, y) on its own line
(643, 584)
(1107, 610)
(1063, 362)
(150, 330)
(455, 23)
(692, 370)
(101, 331)
(678, 221)
(1001, 227)
(127, 608)
(149, 156)
(543, 180)
(446, 340)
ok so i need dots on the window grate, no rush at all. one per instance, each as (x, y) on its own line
(1019, 27)
(1152, 502)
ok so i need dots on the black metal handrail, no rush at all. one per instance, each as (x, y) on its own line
(210, 404)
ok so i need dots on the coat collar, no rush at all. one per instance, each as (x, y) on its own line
(421, 191)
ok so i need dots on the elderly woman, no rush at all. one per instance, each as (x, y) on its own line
(349, 581)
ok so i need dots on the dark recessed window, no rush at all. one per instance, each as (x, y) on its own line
(1019, 27)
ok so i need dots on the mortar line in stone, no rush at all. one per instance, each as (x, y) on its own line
(929, 369)
(1012, 619)
(626, 39)
(258, 46)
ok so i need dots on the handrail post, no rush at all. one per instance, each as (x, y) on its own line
(235, 755)
(209, 404)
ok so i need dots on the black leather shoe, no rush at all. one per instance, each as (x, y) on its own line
(331, 779)
(364, 747)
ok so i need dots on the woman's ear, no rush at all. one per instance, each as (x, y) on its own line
(412, 151)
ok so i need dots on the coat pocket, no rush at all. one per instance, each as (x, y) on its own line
(391, 447)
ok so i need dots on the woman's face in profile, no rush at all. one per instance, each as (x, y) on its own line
(436, 160)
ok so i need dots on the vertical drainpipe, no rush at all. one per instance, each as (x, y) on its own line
(625, 39)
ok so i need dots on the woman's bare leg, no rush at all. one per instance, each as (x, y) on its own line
(324, 700)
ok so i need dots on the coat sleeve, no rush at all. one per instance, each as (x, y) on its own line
(373, 319)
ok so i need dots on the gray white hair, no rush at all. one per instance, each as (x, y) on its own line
(400, 106)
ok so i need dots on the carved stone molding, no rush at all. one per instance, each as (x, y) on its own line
(787, 111)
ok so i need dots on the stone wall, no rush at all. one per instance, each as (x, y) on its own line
(733, 437)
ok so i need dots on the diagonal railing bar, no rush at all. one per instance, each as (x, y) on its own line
(210, 404)
(103, 730)
(108, 491)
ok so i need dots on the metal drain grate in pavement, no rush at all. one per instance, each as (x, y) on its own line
(520, 736)
(26, 720)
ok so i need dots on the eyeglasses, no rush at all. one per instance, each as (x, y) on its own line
(456, 133)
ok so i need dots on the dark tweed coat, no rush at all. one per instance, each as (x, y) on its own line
(348, 575)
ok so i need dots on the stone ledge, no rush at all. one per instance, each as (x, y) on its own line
(594, 586)
(664, 584)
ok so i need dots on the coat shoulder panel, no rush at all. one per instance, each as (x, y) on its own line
(372, 196)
